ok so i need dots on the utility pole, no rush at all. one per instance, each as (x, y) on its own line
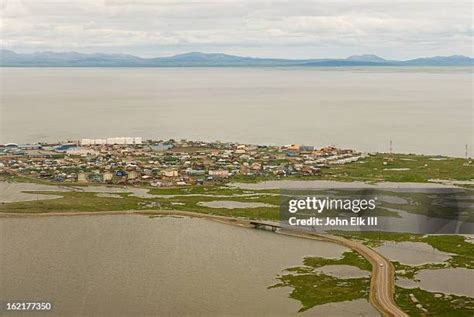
(468, 160)
(391, 151)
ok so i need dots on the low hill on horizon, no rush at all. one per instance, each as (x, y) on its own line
(10, 58)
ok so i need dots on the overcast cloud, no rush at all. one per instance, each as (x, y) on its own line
(290, 29)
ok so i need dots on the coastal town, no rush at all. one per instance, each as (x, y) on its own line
(165, 163)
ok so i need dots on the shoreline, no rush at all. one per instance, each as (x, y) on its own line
(223, 219)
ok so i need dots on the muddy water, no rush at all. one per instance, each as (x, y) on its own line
(458, 281)
(229, 204)
(412, 253)
(128, 265)
(355, 308)
(13, 192)
(423, 109)
(455, 281)
(344, 271)
(325, 184)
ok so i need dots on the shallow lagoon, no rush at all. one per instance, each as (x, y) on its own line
(343, 271)
(114, 265)
(412, 253)
(455, 281)
(229, 204)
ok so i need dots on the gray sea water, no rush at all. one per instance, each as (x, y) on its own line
(422, 110)
(134, 265)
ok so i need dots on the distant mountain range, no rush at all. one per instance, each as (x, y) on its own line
(196, 59)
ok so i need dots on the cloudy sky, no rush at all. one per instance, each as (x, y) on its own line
(290, 29)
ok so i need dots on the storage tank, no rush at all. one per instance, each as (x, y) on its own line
(86, 142)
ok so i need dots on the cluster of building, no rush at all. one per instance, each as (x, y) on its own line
(112, 141)
(130, 160)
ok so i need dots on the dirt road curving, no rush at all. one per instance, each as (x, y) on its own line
(382, 283)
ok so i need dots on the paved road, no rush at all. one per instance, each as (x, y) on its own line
(382, 283)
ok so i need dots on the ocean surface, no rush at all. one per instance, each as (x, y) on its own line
(421, 109)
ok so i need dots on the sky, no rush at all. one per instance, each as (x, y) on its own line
(392, 29)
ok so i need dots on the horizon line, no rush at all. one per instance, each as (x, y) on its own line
(234, 55)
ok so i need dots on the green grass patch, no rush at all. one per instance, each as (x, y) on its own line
(348, 258)
(436, 304)
(73, 202)
(313, 289)
(420, 169)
